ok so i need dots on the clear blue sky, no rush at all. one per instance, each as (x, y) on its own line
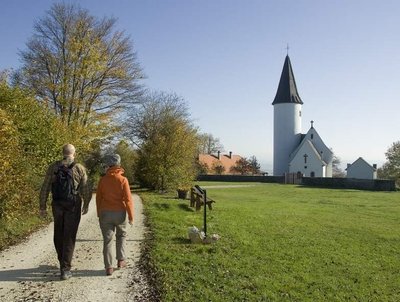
(224, 57)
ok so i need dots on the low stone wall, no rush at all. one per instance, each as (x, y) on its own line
(350, 183)
(323, 182)
(242, 178)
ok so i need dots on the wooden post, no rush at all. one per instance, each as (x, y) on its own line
(205, 213)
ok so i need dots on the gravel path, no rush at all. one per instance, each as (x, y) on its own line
(29, 271)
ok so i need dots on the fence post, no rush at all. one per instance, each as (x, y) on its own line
(205, 212)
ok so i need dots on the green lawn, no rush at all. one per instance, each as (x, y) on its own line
(279, 243)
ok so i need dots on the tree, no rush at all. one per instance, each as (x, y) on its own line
(391, 168)
(201, 168)
(336, 170)
(166, 140)
(79, 65)
(128, 159)
(254, 165)
(218, 167)
(27, 147)
(208, 144)
(242, 166)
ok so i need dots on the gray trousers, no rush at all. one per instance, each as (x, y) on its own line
(113, 222)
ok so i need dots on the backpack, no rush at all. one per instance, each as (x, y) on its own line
(63, 188)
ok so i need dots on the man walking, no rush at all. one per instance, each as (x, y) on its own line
(68, 183)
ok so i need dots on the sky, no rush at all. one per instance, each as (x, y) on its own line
(225, 57)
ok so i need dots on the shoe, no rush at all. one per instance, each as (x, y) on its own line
(109, 271)
(65, 275)
(121, 263)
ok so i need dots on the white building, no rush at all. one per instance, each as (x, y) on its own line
(361, 169)
(295, 152)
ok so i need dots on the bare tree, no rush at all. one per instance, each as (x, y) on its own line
(79, 65)
(208, 144)
(336, 170)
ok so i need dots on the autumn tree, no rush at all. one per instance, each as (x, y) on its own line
(202, 168)
(218, 167)
(242, 166)
(79, 65)
(166, 139)
(391, 168)
(27, 146)
(128, 159)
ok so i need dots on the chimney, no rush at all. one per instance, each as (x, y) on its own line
(219, 154)
(348, 166)
(374, 166)
(230, 154)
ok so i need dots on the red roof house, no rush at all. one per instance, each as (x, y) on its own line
(220, 163)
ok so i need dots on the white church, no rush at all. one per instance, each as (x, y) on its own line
(295, 152)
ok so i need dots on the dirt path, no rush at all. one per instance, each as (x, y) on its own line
(29, 271)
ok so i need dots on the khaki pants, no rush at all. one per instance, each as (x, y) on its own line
(113, 222)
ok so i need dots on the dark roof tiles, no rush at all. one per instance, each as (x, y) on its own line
(287, 89)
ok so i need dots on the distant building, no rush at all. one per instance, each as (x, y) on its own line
(219, 163)
(294, 152)
(361, 169)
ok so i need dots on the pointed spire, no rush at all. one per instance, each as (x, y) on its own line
(287, 89)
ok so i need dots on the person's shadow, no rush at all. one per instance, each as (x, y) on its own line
(43, 273)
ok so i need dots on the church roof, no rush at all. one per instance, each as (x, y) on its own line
(287, 89)
(360, 162)
(311, 146)
(317, 145)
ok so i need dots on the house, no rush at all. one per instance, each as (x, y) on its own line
(219, 163)
(361, 169)
(294, 152)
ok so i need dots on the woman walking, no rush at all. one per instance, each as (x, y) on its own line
(114, 202)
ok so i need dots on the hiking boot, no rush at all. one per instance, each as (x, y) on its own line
(121, 263)
(65, 275)
(109, 271)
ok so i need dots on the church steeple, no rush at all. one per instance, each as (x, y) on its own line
(287, 89)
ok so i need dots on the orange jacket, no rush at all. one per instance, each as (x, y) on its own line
(113, 193)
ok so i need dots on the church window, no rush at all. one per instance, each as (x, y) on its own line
(312, 174)
(305, 167)
(305, 158)
(312, 136)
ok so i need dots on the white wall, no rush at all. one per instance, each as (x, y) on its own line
(287, 134)
(313, 164)
(361, 170)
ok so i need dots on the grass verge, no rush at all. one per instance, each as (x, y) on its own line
(16, 230)
(279, 243)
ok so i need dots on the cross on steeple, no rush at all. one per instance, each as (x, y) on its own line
(312, 124)
(287, 49)
(305, 158)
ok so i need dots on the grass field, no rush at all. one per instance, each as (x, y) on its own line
(279, 243)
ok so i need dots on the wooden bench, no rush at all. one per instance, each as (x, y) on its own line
(197, 198)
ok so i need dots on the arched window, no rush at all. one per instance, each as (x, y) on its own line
(312, 174)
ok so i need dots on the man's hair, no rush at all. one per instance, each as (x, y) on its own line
(68, 150)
